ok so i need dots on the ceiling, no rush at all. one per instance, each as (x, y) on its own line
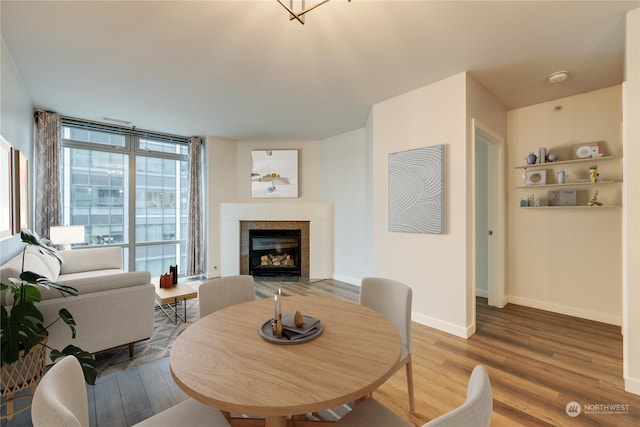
(241, 70)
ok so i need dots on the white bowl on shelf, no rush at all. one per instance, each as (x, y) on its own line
(594, 155)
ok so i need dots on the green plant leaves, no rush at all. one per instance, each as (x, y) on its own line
(20, 330)
(22, 326)
(69, 320)
(36, 279)
(87, 361)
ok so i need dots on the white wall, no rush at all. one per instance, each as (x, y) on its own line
(308, 170)
(434, 266)
(484, 110)
(16, 126)
(229, 181)
(220, 188)
(343, 185)
(567, 260)
(631, 209)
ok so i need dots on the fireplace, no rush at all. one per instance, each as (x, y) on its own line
(274, 252)
(265, 231)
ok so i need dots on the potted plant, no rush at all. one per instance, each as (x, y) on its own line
(22, 322)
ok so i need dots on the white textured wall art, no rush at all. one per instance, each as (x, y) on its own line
(415, 190)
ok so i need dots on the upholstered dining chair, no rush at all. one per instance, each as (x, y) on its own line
(61, 400)
(476, 411)
(393, 300)
(221, 292)
(61, 396)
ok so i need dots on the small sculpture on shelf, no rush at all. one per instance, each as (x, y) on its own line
(594, 200)
(593, 173)
(553, 157)
(531, 159)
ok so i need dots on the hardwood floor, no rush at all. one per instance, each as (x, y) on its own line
(538, 362)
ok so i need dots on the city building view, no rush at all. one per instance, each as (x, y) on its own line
(129, 191)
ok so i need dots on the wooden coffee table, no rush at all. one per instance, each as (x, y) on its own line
(168, 300)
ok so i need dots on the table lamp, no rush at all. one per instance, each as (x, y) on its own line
(66, 235)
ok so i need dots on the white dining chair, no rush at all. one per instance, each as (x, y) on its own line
(393, 300)
(476, 411)
(221, 292)
(61, 400)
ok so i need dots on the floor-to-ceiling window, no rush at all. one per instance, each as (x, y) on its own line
(128, 188)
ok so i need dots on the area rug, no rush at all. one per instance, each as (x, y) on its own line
(165, 333)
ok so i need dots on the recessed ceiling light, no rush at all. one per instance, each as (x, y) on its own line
(558, 76)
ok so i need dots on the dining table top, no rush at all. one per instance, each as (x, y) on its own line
(222, 360)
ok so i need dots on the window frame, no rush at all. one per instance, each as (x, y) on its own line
(133, 149)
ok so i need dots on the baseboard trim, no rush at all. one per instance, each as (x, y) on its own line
(459, 331)
(632, 385)
(347, 279)
(569, 311)
(482, 293)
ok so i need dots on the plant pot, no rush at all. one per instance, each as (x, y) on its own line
(23, 373)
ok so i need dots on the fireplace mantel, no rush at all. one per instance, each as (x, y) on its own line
(319, 215)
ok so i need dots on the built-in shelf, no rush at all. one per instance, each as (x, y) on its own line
(568, 184)
(563, 162)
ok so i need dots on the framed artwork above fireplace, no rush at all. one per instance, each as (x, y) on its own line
(274, 173)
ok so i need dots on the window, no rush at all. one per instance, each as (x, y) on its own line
(129, 189)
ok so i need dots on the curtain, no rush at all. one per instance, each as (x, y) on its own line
(48, 197)
(195, 255)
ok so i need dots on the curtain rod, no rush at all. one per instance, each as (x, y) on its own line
(131, 130)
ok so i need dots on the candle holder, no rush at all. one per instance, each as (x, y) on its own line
(277, 315)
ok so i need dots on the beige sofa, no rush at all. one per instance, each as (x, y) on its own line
(113, 308)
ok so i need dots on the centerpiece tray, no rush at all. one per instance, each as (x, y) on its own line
(291, 337)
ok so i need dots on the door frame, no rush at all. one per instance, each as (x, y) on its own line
(496, 213)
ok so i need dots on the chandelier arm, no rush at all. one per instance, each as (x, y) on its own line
(302, 12)
(300, 16)
(293, 14)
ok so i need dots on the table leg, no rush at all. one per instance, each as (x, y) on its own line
(275, 421)
(175, 308)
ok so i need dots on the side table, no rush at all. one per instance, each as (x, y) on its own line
(169, 299)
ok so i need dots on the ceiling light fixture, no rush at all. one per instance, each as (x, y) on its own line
(299, 16)
(558, 76)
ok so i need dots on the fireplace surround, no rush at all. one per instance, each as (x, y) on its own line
(319, 216)
(266, 230)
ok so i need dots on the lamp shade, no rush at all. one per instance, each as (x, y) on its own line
(65, 235)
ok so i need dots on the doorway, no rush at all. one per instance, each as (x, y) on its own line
(489, 215)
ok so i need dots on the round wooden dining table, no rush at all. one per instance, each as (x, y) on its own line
(222, 360)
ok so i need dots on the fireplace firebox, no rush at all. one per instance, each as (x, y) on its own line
(274, 252)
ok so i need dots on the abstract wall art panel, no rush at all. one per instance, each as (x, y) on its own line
(274, 173)
(415, 190)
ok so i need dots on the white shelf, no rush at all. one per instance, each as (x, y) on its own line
(568, 184)
(563, 162)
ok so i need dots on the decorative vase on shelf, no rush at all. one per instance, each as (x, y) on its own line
(531, 159)
(593, 173)
(542, 157)
(562, 177)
